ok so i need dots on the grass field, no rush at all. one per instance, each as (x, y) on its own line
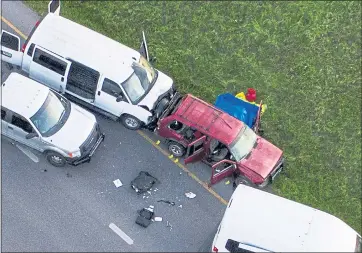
(304, 59)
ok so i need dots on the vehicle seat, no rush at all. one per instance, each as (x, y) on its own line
(220, 155)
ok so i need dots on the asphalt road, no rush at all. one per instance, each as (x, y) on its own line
(70, 209)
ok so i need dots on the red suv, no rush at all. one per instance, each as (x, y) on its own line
(201, 132)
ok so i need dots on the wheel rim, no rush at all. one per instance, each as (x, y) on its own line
(56, 159)
(131, 122)
(175, 150)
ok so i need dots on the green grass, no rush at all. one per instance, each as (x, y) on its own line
(304, 59)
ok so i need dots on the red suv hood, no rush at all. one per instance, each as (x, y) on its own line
(263, 158)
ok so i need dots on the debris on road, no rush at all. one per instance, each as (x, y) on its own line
(158, 218)
(180, 206)
(166, 201)
(143, 182)
(145, 216)
(190, 195)
(68, 174)
(117, 183)
(44, 170)
(168, 225)
(227, 182)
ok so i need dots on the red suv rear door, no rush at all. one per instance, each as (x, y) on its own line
(196, 150)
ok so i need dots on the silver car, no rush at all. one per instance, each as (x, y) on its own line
(40, 118)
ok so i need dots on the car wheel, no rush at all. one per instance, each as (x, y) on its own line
(55, 159)
(241, 179)
(176, 149)
(131, 122)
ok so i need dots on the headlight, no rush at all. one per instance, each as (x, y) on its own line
(75, 154)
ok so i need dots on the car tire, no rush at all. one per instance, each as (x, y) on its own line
(131, 122)
(241, 179)
(55, 159)
(176, 149)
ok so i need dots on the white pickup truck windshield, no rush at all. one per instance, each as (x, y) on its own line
(50, 113)
(141, 81)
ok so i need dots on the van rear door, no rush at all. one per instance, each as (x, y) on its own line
(49, 69)
(10, 48)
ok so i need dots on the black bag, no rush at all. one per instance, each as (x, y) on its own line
(142, 221)
(143, 182)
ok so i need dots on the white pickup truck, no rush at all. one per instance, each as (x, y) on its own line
(91, 69)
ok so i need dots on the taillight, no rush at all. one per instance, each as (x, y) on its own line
(23, 47)
(37, 23)
(215, 249)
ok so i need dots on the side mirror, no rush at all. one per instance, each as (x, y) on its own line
(119, 98)
(153, 59)
(31, 135)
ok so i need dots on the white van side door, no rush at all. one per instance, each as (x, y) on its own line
(144, 48)
(110, 97)
(49, 69)
(10, 48)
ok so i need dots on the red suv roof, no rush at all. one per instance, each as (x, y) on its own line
(208, 119)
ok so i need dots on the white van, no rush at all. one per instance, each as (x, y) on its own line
(42, 119)
(92, 69)
(257, 221)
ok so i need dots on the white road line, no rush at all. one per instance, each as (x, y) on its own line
(28, 153)
(121, 234)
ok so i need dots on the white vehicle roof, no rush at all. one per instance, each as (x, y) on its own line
(23, 95)
(71, 40)
(280, 225)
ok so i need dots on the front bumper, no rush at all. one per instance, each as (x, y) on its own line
(86, 157)
(278, 169)
(162, 105)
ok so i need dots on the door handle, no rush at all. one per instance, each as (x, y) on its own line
(99, 93)
(10, 128)
(62, 79)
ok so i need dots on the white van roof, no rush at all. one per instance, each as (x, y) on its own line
(280, 225)
(23, 95)
(71, 40)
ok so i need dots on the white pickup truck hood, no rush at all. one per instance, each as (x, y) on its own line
(163, 84)
(75, 130)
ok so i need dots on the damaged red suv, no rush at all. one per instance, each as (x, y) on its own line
(200, 132)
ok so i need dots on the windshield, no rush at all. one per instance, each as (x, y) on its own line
(243, 144)
(48, 118)
(141, 81)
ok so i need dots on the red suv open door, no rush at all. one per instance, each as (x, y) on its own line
(195, 150)
(221, 170)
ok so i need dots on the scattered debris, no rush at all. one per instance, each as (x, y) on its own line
(155, 190)
(44, 170)
(143, 182)
(176, 160)
(166, 201)
(227, 182)
(158, 218)
(145, 215)
(180, 173)
(180, 206)
(117, 183)
(158, 142)
(168, 225)
(149, 192)
(190, 195)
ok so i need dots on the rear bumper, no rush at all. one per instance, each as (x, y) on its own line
(87, 157)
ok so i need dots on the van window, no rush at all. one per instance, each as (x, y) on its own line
(3, 113)
(82, 80)
(111, 88)
(21, 123)
(31, 49)
(50, 62)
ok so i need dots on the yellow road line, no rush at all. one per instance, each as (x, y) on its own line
(192, 175)
(13, 27)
